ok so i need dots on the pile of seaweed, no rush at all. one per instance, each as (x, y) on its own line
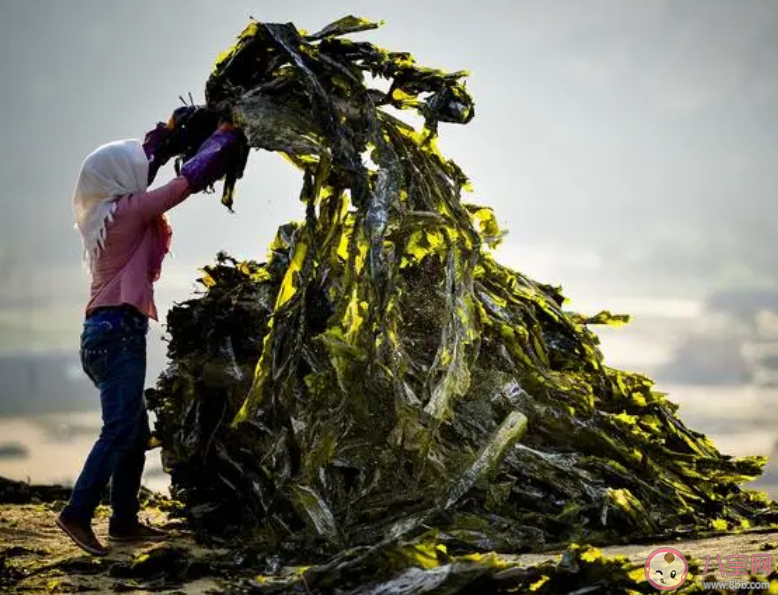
(381, 375)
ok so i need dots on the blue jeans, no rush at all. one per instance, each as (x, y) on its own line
(113, 355)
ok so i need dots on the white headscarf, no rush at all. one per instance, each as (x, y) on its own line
(109, 172)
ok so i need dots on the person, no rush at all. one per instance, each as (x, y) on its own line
(126, 236)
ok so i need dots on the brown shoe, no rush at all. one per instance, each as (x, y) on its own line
(82, 535)
(136, 532)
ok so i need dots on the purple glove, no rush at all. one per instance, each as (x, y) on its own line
(212, 159)
(151, 146)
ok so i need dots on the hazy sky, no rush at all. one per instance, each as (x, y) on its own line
(595, 121)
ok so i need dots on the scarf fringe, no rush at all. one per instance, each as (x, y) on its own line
(95, 231)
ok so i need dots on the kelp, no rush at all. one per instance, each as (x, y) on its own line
(426, 566)
(382, 374)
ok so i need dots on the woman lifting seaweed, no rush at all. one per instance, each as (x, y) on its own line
(126, 237)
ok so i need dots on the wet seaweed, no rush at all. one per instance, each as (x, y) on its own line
(382, 374)
(426, 567)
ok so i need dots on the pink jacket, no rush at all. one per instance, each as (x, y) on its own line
(125, 271)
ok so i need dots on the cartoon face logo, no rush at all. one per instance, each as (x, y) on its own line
(666, 568)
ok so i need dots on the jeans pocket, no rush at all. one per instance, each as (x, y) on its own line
(95, 361)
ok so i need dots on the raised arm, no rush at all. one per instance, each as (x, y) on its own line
(202, 170)
(149, 205)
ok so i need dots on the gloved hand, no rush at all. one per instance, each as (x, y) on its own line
(152, 144)
(186, 130)
(213, 158)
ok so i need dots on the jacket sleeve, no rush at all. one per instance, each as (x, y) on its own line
(149, 205)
